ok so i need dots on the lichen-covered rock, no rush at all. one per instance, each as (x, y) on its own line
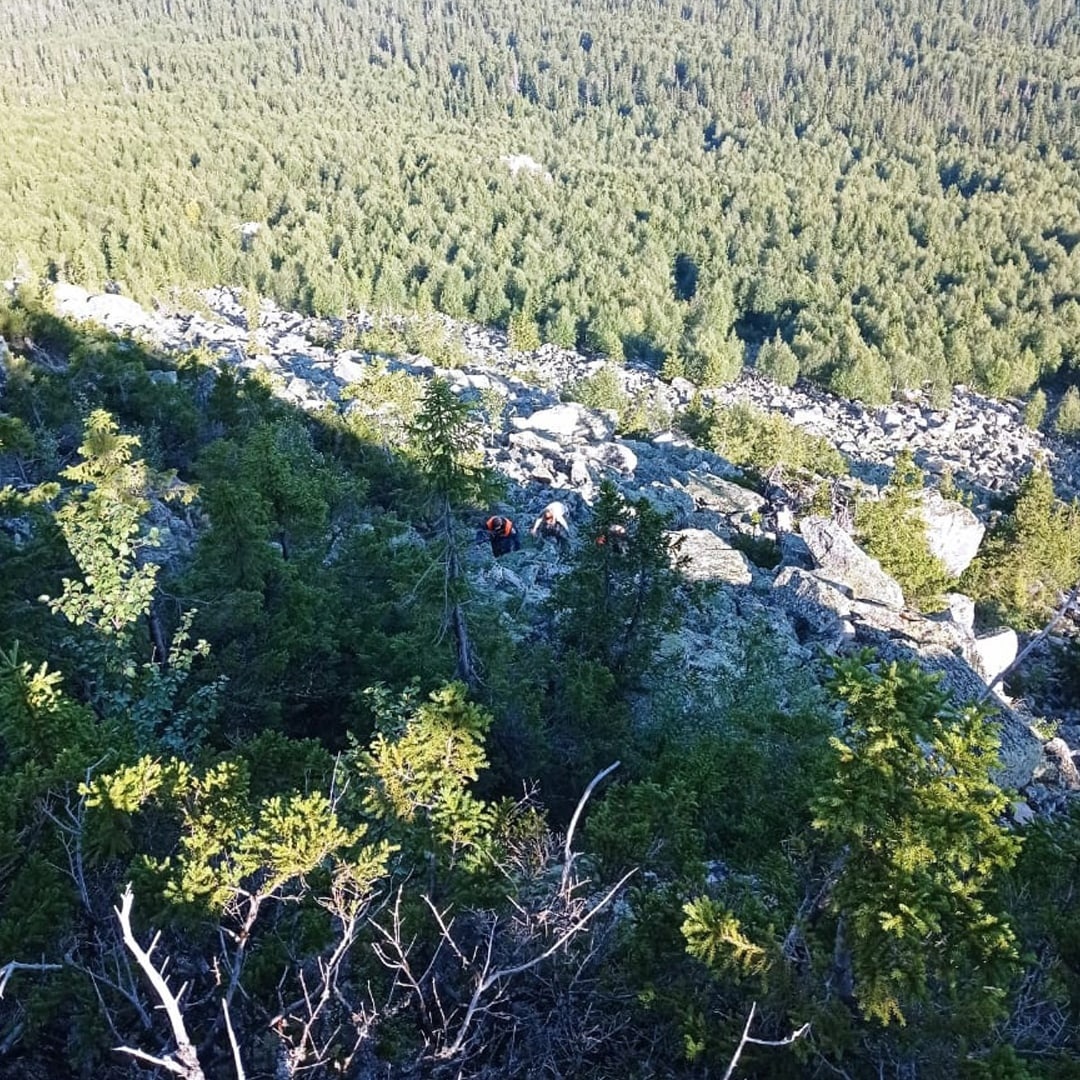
(953, 532)
(713, 493)
(839, 558)
(710, 558)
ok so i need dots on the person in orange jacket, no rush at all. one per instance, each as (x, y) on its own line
(502, 533)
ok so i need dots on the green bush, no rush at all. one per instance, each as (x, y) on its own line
(1068, 415)
(762, 441)
(777, 361)
(893, 531)
(1029, 559)
(1035, 410)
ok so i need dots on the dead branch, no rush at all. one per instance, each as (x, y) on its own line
(747, 1040)
(489, 978)
(12, 966)
(237, 1063)
(568, 854)
(185, 1061)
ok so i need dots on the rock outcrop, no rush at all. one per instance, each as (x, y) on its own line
(826, 594)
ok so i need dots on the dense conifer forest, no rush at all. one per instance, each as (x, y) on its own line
(887, 190)
(285, 790)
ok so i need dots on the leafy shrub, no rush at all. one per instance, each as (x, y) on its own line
(894, 532)
(776, 360)
(602, 390)
(761, 441)
(1068, 415)
(1029, 558)
(1035, 410)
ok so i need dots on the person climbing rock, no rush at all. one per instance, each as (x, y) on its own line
(502, 533)
(615, 537)
(552, 525)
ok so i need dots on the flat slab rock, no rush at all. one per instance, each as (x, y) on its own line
(709, 558)
(840, 558)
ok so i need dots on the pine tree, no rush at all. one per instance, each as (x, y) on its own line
(915, 818)
(446, 445)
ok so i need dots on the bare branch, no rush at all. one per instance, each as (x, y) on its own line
(12, 966)
(489, 979)
(238, 1064)
(186, 1062)
(162, 1063)
(748, 1040)
(568, 854)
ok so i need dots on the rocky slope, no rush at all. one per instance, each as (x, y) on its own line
(826, 594)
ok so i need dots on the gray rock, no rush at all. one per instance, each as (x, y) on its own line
(350, 368)
(961, 609)
(1058, 751)
(559, 422)
(812, 590)
(993, 653)
(677, 505)
(841, 559)
(709, 558)
(794, 551)
(952, 531)
(722, 496)
(616, 456)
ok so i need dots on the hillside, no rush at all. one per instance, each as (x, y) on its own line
(539, 540)
(885, 196)
(281, 782)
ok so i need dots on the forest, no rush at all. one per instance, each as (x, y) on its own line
(888, 191)
(286, 792)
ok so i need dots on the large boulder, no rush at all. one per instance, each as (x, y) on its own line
(709, 558)
(952, 531)
(713, 493)
(992, 653)
(840, 559)
(567, 422)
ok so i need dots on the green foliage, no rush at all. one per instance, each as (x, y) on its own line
(48, 742)
(418, 773)
(647, 825)
(102, 523)
(602, 390)
(229, 844)
(614, 605)
(777, 361)
(445, 441)
(893, 530)
(761, 441)
(1029, 558)
(522, 331)
(1067, 420)
(916, 821)
(1035, 410)
(714, 936)
(383, 406)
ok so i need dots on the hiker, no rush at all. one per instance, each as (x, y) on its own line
(615, 537)
(502, 533)
(552, 525)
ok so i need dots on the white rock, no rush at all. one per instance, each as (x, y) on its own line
(961, 610)
(349, 369)
(616, 456)
(994, 652)
(952, 531)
